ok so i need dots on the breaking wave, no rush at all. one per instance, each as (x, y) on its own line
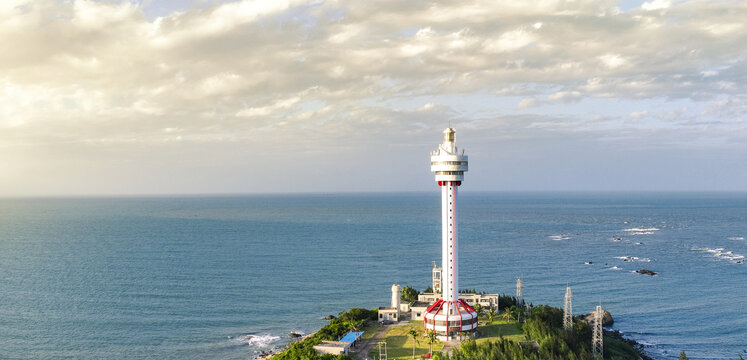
(721, 254)
(736, 238)
(258, 341)
(642, 230)
(632, 259)
(559, 237)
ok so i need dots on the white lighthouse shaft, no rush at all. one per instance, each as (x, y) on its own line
(449, 317)
(449, 242)
(449, 167)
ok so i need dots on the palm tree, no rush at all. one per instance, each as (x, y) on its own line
(432, 339)
(478, 310)
(491, 314)
(507, 315)
(414, 335)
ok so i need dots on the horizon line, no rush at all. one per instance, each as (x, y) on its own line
(317, 193)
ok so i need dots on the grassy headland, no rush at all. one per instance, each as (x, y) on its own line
(353, 319)
(504, 339)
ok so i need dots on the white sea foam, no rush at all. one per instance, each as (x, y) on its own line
(559, 237)
(736, 238)
(615, 268)
(263, 340)
(721, 254)
(642, 230)
(632, 259)
(259, 341)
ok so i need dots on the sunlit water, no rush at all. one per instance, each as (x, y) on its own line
(224, 277)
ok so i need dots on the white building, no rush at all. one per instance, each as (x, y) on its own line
(333, 347)
(392, 313)
(485, 300)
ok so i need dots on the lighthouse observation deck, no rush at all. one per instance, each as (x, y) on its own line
(447, 162)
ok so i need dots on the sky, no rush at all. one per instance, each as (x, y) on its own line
(285, 96)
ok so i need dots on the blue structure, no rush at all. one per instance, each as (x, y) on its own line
(351, 336)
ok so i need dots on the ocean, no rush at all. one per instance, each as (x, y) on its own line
(222, 277)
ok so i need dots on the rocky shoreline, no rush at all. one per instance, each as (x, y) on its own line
(615, 334)
(268, 354)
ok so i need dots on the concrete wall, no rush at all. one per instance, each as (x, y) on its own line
(332, 347)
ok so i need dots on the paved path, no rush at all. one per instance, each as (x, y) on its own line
(450, 345)
(362, 350)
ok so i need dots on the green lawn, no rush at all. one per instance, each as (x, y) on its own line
(493, 331)
(399, 344)
(370, 329)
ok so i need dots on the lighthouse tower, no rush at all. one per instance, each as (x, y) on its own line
(449, 316)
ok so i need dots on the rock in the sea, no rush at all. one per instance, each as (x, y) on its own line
(295, 334)
(607, 319)
(646, 271)
(329, 317)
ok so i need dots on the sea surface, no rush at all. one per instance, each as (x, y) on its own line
(223, 277)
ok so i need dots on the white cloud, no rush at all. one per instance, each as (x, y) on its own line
(269, 109)
(612, 61)
(526, 102)
(345, 33)
(564, 96)
(103, 73)
(223, 83)
(178, 28)
(723, 29)
(510, 41)
(638, 114)
(91, 15)
(656, 5)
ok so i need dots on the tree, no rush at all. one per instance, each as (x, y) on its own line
(428, 290)
(414, 335)
(409, 295)
(683, 356)
(478, 310)
(491, 314)
(432, 339)
(507, 316)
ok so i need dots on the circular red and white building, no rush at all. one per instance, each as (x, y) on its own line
(450, 317)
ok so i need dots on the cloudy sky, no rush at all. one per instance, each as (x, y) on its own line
(161, 97)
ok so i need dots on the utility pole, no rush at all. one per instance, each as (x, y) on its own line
(519, 297)
(568, 309)
(596, 339)
(382, 354)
